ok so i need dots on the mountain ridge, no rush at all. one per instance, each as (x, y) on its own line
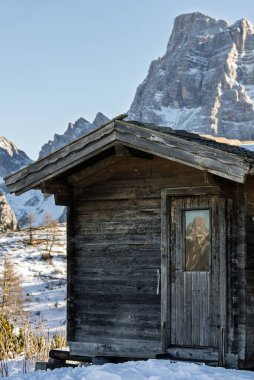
(204, 83)
(11, 157)
(73, 131)
(33, 203)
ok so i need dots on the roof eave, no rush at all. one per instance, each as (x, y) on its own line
(156, 142)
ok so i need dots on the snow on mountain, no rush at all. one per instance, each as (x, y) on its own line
(74, 131)
(11, 157)
(32, 202)
(36, 204)
(205, 81)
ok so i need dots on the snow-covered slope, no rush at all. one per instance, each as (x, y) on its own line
(43, 281)
(204, 82)
(33, 202)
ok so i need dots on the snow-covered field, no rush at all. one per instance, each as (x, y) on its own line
(141, 370)
(43, 281)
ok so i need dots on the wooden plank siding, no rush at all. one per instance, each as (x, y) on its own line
(116, 254)
(238, 271)
(250, 272)
(235, 334)
(115, 251)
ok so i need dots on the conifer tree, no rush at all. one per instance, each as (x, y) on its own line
(10, 291)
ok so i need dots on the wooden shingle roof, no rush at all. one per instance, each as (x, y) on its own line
(224, 160)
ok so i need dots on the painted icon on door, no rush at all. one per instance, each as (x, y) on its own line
(197, 239)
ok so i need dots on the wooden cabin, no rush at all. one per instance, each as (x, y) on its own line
(160, 243)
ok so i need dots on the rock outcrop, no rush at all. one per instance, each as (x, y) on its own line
(74, 131)
(8, 219)
(205, 81)
(14, 208)
(11, 157)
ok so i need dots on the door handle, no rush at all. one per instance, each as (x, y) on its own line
(158, 282)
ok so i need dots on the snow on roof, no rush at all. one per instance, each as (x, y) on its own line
(140, 370)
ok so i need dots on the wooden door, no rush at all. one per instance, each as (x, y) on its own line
(197, 271)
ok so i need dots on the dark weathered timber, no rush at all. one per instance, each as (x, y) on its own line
(117, 253)
(204, 354)
(119, 240)
(126, 289)
(120, 347)
(95, 169)
(45, 172)
(122, 151)
(212, 158)
(65, 355)
(44, 366)
(183, 151)
(250, 270)
(240, 211)
(165, 270)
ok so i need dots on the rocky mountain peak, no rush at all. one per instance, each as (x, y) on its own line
(11, 157)
(99, 120)
(73, 132)
(204, 82)
(8, 219)
(193, 26)
(240, 32)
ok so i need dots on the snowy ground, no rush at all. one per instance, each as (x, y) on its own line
(43, 281)
(141, 370)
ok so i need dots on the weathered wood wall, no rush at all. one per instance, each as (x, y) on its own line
(115, 257)
(237, 276)
(115, 252)
(250, 272)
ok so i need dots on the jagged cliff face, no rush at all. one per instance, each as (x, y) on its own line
(11, 158)
(205, 81)
(74, 131)
(8, 219)
(14, 208)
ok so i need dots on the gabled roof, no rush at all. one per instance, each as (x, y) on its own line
(224, 160)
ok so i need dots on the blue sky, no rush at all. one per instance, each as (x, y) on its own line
(63, 59)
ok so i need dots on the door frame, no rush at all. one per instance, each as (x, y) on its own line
(166, 195)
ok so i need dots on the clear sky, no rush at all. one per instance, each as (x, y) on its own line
(65, 59)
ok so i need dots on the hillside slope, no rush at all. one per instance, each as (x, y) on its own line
(33, 202)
